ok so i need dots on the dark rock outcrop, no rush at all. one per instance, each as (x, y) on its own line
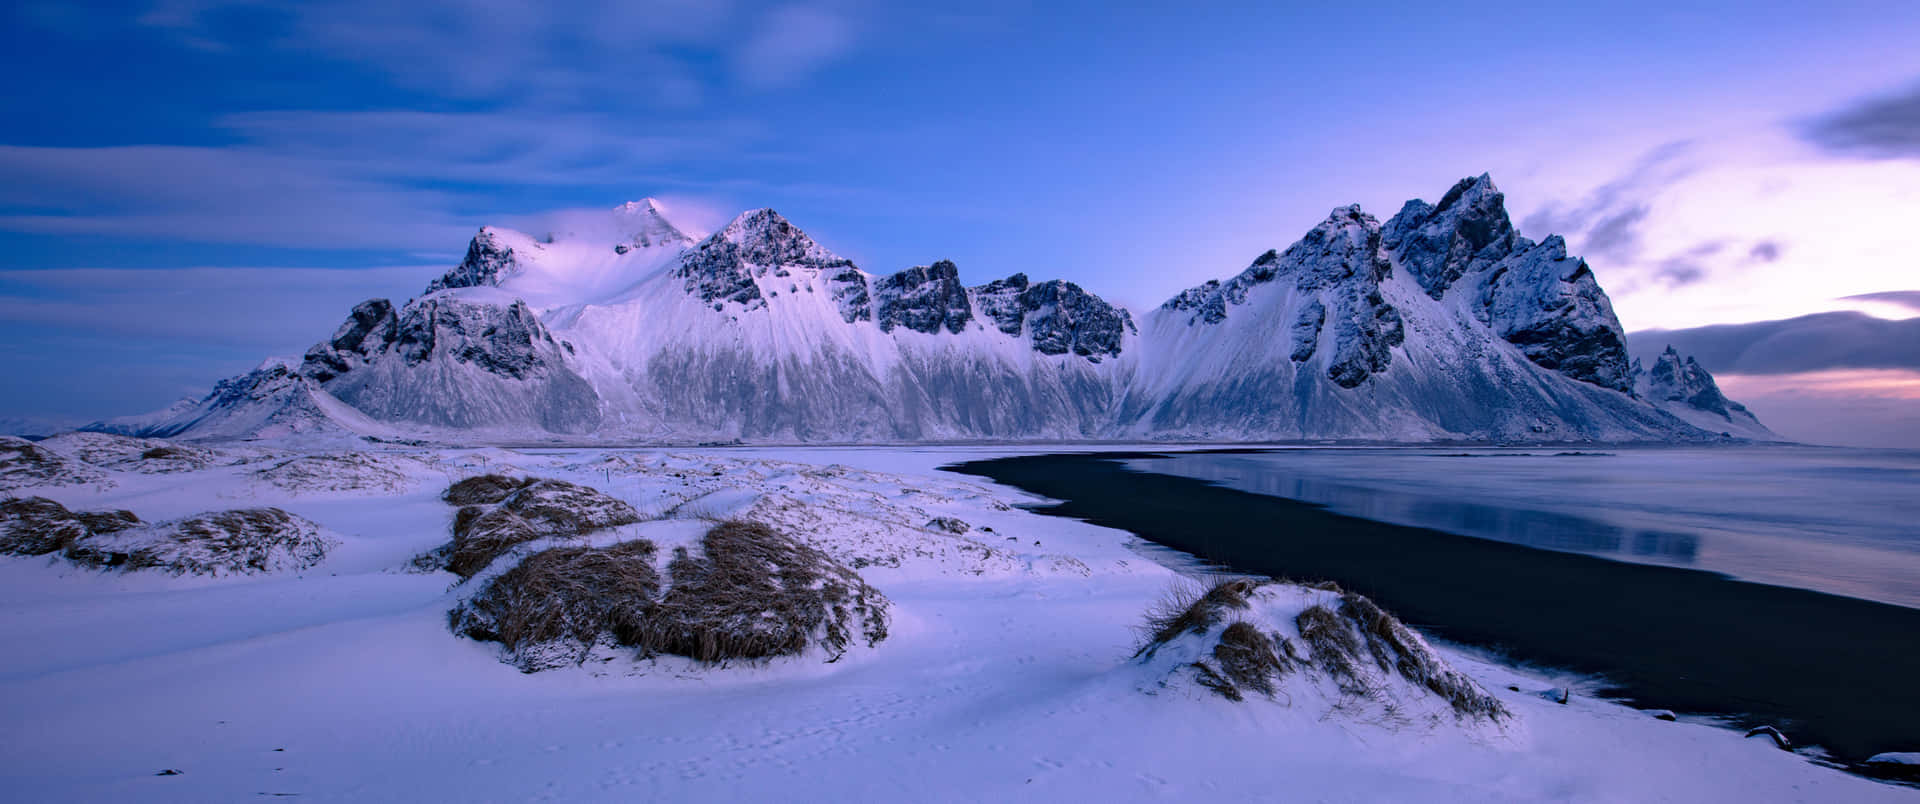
(924, 298)
(1674, 379)
(1061, 316)
(488, 261)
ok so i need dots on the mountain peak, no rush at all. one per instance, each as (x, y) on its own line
(765, 238)
(1468, 230)
(644, 224)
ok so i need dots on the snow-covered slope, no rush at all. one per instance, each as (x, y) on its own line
(1443, 323)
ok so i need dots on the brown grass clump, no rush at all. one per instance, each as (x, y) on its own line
(499, 513)
(756, 593)
(24, 463)
(1249, 658)
(1189, 609)
(107, 521)
(483, 490)
(1354, 644)
(1335, 647)
(36, 526)
(750, 593)
(556, 605)
(243, 541)
(1341, 640)
(1396, 648)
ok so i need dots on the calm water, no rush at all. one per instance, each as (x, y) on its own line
(1843, 521)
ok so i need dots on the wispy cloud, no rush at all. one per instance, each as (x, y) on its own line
(272, 310)
(212, 195)
(1607, 222)
(1882, 127)
(791, 42)
(1909, 299)
(568, 53)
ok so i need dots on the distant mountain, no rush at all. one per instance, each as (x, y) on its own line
(1681, 387)
(1442, 323)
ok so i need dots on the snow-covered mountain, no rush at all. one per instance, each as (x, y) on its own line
(1678, 385)
(1442, 323)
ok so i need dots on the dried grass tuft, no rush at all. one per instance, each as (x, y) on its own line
(36, 526)
(483, 489)
(500, 512)
(1190, 609)
(755, 593)
(556, 605)
(241, 541)
(750, 593)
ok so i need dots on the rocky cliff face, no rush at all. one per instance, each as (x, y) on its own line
(1443, 322)
(1532, 294)
(447, 362)
(488, 261)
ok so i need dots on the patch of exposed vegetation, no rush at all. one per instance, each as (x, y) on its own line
(1352, 644)
(558, 604)
(1190, 609)
(24, 464)
(238, 542)
(756, 593)
(749, 593)
(335, 472)
(244, 541)
(498, 513)
(483, 489)
(129, 454)
(37, 526)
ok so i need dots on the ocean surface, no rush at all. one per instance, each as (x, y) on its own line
(1836, 520)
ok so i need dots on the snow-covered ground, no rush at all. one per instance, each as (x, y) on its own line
(1007, 674)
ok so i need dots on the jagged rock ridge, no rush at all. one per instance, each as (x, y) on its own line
(1443, 322)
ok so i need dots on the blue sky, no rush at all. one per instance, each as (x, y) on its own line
(254, 168)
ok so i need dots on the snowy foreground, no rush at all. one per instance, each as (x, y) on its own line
(1007, 674)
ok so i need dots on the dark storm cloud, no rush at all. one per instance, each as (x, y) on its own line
(1909, 299)
(1843, 340)
(1884, 127)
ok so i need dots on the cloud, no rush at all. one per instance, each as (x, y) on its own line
(93, 343)
(1609, 217)
(212, 195)
(1909, 299)
(1765, 251)
(791, 42)
(267, 310)
(1819, 342)
(371, 179)
(1883, 127)
(567, 53)
(1688, 267)
(1617, 236)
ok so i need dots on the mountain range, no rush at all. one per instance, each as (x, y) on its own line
(1442, 323)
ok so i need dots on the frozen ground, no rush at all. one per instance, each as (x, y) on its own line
(1831, 519)
(1007, 675)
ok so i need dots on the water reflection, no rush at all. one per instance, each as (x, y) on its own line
(1533, 528)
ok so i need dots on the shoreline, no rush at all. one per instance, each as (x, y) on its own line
(1828, 670)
